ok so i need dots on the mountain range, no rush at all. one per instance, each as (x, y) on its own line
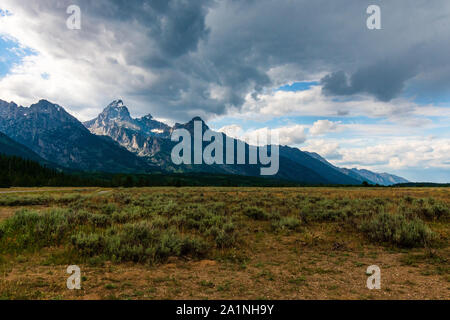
(56, 136)
(13, 148)
(118, 143)
(384, 179)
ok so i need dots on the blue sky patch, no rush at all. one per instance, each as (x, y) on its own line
(247, 124)
(298, 86)
(11, 53)
(4, 13)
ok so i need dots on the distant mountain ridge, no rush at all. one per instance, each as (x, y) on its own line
(128, 133)
(55, 135)
(116, 142)
(12, 148)
(115, 122)
(384, 179)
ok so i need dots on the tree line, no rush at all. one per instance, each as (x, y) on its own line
(19, 172)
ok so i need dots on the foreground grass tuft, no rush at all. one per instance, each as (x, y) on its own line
(398, 230)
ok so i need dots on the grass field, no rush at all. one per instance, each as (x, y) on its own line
(225, 243)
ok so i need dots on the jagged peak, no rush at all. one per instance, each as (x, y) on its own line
(44, 101)
(6, 103)
(147, 117)
(45, 105)
(116, 109)
(190, 125)
(116, 104)
(197, 119)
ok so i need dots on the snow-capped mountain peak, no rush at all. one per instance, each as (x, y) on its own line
(137, 135)
(116, 110)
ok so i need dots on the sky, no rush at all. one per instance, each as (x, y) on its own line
(311, 70)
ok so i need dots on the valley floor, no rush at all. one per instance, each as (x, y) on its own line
(225, 243)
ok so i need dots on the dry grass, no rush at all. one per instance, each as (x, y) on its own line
(326, 257)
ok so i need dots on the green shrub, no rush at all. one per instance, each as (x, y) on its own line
(31, 230)
(397, 230)
(110, 208)
(441, 211)
(256, 213)
(138, 242)
(225, 236)
(68, 199)
(24, 200)
(286, 223)
(125, 216)
(78, 217)
(122, 198)
(88, 244)
(432, 210)
(426, 208)
(209, 221)
(160, 222)
(99, 220)
(274, 216)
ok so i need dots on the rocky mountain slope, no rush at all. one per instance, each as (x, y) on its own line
(55, 135)
(10, 147)
(116, 142)
(115, 121)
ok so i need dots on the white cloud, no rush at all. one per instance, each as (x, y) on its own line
(397, 153)
(328, 150)
(288, 135)
(292, 135)
(233, 130)
(313, 103)
(321, 127)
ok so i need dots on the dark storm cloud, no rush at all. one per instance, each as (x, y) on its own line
(204, 57)
(175, 26)
(384, 80)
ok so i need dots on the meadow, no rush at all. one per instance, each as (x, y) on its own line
(225, 243)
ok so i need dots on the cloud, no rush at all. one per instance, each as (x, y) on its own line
(178, 59)
(130, 50)
(398, 153)
(313, 103)
(233, 130)
(292, 135)
(384, 80)
(328, 150)
(321, 127)
(288, 135)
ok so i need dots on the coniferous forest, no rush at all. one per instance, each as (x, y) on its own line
(19, 172)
